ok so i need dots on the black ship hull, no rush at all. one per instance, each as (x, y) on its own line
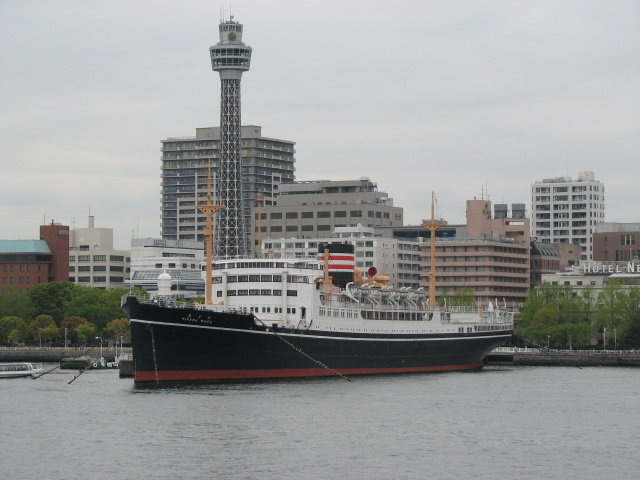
(172, 345)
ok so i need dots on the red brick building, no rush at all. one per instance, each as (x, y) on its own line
(25, 263)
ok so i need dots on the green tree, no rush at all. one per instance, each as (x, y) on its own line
(43, 326)
(85, 331)
(98, 306)
(574, 335)
(610, 312)
(464, 297)
(546, 316)
(118, 327)
(70, 324)
(15, 302)
(13, 329)
(49, 298)
(630, 335)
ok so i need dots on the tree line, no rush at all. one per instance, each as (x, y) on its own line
(557, 316)
(45, 313)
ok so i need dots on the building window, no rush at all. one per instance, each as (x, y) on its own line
(292, 215)
(276, 216)
(307, 214)
(324, 214)
(116, 258)
(99, 258)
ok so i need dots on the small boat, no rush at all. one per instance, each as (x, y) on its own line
(18, 369)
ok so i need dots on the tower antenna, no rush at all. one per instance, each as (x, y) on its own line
(231, 64)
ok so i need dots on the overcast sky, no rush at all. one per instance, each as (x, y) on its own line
(459, 97)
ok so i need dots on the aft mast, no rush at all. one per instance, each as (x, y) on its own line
(209, 208)
(432, 226)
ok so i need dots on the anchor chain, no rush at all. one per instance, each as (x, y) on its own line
(301, 352)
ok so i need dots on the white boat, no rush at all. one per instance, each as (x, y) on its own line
(18, 369)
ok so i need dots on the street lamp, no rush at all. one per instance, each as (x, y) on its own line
(604, 338)
(615, 339)
(98, 338)
(548, 337)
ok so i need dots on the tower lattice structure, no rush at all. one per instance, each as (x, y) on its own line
(230, 58)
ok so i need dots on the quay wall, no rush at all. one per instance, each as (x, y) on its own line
(54, 354)
(558, 358)
(576, 360)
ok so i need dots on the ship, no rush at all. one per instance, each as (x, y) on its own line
(275, 318)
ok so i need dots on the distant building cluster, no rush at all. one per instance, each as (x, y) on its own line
(499, 253)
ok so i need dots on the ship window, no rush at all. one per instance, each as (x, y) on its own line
(277, 293)
(243, 278)
(265, 278)
(265, 292)
(292, 293)
(243, 293)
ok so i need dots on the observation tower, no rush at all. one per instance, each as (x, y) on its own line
(230, 57)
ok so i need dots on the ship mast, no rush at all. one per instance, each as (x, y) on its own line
(432, 226)
(209, 208)
(259, 201)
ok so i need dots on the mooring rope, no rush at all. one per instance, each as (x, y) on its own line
(155, 361)
(48, 371)
(301, 352)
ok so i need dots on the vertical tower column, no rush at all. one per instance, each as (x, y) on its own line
(230, 57)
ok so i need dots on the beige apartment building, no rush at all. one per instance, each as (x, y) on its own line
(491, 255)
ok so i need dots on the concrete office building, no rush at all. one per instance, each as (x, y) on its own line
(93, 261)
(567, 211)
(181, 259)
(400, 259)
(314, 209)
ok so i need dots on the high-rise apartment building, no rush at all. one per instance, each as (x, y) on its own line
(266, 163)
(566, 211)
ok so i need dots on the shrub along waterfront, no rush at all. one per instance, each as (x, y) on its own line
(43, 314)
(557, 316)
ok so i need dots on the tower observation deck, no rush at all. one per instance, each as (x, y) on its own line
(230, 57)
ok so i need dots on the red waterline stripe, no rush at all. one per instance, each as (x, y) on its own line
(200, 375)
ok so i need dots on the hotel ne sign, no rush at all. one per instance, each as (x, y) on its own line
(611, 267)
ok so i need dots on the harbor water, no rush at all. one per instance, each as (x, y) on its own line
(499, 423)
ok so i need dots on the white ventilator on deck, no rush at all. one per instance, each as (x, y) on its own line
(164, 284)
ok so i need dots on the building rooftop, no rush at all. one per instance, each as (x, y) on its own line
(24, 246)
